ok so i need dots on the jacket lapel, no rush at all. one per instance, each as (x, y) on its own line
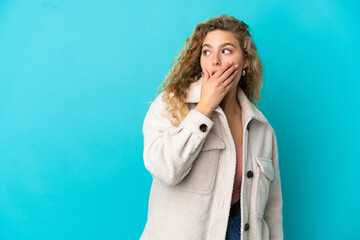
(249, 110)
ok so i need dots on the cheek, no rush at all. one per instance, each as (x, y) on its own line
(203, 64)
(202, 61)
(236, 58)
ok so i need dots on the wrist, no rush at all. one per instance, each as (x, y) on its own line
(204, 110)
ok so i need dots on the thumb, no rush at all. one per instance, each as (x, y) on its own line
(206, 75)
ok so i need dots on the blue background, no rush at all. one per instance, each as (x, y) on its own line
(75, 79)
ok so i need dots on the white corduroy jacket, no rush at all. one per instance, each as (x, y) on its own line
(193, 170)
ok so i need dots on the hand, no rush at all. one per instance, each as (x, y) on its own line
(214, 88)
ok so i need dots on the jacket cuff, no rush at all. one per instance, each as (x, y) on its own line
(198, 123)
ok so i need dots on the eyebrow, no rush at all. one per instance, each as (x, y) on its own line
(222, 45)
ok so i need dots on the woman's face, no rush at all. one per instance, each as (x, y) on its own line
(220, 47)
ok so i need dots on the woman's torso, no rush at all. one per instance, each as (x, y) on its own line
(199, 199)
(235, 125)
(236, 128)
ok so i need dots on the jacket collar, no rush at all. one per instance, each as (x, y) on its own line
(249, 110)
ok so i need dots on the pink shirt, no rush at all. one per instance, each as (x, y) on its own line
(238, 175)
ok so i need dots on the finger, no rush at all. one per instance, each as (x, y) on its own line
(228, 73)
(230, 80)
(206, 75)
(223, 68)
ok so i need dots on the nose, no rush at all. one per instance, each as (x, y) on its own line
(216, 60)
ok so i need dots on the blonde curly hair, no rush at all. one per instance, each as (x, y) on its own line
(186, 67)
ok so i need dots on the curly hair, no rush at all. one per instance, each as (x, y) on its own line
(186, 67)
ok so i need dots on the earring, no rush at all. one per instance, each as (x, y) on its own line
(243, 72)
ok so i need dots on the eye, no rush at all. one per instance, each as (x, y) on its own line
(227, 50)
(204, 52)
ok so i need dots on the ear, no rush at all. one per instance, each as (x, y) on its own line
(246, 62)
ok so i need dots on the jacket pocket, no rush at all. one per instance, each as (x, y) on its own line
(265, 174)
(202, 175)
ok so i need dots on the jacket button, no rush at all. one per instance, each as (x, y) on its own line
(203, 127)
(246, 227)
(248, 126)
(250, 174)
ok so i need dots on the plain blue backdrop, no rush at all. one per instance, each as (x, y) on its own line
(75, 77)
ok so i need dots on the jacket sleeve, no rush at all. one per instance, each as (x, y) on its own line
(273, 211)
(169, 151)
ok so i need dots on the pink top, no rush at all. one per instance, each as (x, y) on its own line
(238, 175)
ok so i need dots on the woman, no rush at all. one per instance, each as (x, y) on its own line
(212, 154)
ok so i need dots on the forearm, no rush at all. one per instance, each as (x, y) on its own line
(169, 152)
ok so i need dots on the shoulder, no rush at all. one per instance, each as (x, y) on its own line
(260, 117)
(265, 123)
(156, 114)
(157, 107)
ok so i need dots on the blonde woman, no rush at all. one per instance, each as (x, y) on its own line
(212, 154)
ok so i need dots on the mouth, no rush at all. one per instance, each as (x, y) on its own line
(213, 72)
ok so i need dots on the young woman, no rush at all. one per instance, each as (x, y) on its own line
(212, 154)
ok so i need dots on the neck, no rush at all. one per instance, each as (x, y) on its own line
(230, 104)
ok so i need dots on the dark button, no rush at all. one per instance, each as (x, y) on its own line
(246, 227)
(203, 127)
(248, 126)
(250, 174)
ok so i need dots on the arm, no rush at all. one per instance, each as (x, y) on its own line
(273, 210)
(169, 151)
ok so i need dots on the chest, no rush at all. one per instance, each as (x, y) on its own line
(236, 128)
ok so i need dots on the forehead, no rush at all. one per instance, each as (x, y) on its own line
(217, 37)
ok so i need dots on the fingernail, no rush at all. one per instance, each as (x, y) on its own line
(236, 66)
